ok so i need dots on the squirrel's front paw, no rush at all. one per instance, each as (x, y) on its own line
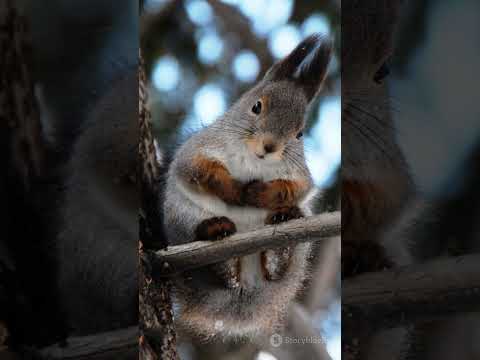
(215, 228)
(284, 214)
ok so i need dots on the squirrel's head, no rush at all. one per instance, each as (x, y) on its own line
(270, 117)
(368, 133)
(368, 29)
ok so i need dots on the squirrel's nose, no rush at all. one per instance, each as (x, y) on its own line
(269, 148)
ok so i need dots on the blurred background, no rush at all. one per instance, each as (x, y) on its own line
(434, 89)
(201, 55)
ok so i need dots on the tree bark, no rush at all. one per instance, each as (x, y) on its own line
(157, 333)
(21, 155)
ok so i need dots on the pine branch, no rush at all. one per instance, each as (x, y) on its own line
(193, 255)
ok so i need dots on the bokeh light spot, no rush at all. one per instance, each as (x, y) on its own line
(263, 355)
(265, 15)
(316, 23)
(210, 48)
(166, 73)
(209, 103)
(246, 66)
(324, 143)
(283, 40)
(199, 12)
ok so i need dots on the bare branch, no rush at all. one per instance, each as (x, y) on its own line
(414, 294)
(193, 255)
(120, 344)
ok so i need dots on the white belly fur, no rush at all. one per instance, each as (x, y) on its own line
(245, 218)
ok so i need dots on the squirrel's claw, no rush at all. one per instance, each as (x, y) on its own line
(215, 228)
(284, 214)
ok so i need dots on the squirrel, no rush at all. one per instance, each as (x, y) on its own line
(375, 178)
(243, 171)
(376, 181)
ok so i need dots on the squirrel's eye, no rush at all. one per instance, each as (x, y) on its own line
(257, 108)
(299, 135)
(382, 73)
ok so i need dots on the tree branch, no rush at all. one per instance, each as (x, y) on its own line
(414, 294)
(119, 344)
(193, 255)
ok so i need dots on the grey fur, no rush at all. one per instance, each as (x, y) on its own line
(370, 152)
(206, 308)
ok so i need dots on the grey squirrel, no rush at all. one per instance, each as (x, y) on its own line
(245, 170)
(376, 181)
(444, 225)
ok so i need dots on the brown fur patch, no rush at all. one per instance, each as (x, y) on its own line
(274, 194)
(366, 209)
(215, 228)
(218, 228)
(213, 178)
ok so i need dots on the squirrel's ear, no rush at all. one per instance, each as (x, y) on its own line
(306, 65)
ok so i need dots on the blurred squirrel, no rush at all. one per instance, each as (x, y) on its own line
(376, 182)
(431, 227)
(245, 170)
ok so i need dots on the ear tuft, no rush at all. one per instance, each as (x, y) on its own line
(306, 65)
